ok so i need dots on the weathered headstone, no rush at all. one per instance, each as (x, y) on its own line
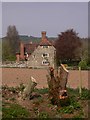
(57, 84)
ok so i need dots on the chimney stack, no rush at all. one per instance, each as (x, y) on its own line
(22, 51)
(43, 35)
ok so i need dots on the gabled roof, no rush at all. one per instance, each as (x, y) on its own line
(29, 48)
(44, 40)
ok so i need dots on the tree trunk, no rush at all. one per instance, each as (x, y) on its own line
(29, 88)
(57, 84)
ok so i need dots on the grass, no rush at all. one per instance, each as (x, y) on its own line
(74, 105)
(75, 93)
(14, 111)
(79, 116)
(42, 91)
(71, 92)
(85, 94)
(43, 115)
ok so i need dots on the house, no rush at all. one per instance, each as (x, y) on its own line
(38, 55)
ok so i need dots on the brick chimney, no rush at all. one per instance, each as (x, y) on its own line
(43, 35)
(22, 51)
(17, 57)
(44, 39)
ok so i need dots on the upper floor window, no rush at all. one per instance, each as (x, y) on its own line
(45, 55)
(45, 46)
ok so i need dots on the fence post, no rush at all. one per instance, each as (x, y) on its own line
(80, 82)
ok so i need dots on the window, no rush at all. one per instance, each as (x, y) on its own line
(45, 46)
(45, 62)
(45, 55)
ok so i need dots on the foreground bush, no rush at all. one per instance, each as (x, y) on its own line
(83, 65)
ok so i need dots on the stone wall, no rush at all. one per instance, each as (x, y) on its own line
(36, 58)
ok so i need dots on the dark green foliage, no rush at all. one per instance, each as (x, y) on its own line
(78, 117)
(42, 91)
(52, 101)
(75, 99)
(4, 87)
(74, 102)
(83, 64)
(11, 58)
(21, 87)
(6, 51)
(65, 102)
(85, 94)
(75, 93)
(73, 105)
(68, 109)
(27, 39)
(10, 44)
(14, 111)
(43, 115)
(12, 99)
(13, 38)
(12, 89)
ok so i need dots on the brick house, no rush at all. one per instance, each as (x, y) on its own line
(38, 55)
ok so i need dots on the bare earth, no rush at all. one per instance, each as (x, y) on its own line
(16, 76)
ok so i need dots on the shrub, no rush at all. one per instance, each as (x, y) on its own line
(74, 105)
(14, 111)
(21, 87)
(65, 102)
(12, 89)
(43, 115)
(85, 94)
(83, 64)
(68, 109)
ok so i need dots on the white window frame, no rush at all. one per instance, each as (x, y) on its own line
(43, 62)
(45, 46)
(47, 55)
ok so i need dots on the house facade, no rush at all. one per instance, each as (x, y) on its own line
(42, 55)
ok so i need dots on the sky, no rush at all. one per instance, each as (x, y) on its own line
(30, 18)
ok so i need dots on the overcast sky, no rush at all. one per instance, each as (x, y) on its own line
(54, 17)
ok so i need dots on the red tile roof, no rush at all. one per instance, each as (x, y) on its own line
(29, 48)
(45, 41)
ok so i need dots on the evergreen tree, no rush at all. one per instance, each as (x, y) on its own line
(13, 38)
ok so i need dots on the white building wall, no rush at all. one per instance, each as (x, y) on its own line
(36, 58)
